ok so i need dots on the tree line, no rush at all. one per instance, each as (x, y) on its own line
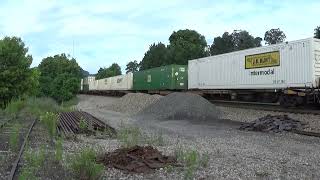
(59, 76)
(188, 44)
(56, 76)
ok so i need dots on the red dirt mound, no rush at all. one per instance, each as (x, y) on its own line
(137, 159)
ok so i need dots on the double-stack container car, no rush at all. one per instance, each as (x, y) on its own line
(288, 73)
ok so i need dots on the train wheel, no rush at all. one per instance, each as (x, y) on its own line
(290, 101)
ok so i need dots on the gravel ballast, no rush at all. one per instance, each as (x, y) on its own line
(132, 103)
(180, 106)
(234, 154)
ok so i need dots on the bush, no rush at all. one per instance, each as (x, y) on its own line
(129, 136)
(84, 165)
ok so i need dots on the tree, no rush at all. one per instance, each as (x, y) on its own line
(113, 70)
(60, 77)
(15, 72)
(156, 56)
(274, 36)
(317, 32)
(132, 66)
(223, 44)
(237, 40)
(186, 45)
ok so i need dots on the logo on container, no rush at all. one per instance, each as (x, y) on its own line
(262, 73)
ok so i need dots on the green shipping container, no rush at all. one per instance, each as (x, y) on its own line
(168, 77)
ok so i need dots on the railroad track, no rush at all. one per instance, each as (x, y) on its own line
(9, 158)
(274, 107)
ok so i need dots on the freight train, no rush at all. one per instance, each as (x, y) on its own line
(286, 73)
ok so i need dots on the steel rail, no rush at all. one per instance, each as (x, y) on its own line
(16, 162)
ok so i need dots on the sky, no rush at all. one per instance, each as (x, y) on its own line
(99, 33)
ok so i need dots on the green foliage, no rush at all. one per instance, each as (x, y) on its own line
(238, 40)
(16, 77)
(84, 165)
(60, 77)
(83, 125)
(132, 66)
(129, 136)
(14, 107)
(317, 32)
(192, 161)
(50, 119)
(34, 160)
(37, 106)
(186, 45)
(58, 149)
(14, 137)
(113, 70)
(274, 36)
(157, 55)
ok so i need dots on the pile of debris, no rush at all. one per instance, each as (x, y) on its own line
(181, 106)
(132, 103)
(277, 123)
(81, 122)
(137, 159)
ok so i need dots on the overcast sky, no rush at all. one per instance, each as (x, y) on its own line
(119, 31)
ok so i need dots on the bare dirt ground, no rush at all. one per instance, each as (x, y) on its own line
(234, 154)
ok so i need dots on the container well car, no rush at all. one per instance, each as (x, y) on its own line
(287, 72)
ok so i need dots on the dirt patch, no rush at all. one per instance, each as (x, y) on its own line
(137, 159)
(276, 123)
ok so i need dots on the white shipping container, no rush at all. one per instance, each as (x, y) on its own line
(121, 82)
(293, 64)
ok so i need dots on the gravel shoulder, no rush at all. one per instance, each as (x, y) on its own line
(234, 154)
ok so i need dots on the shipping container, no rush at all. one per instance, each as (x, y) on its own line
(293, 64)
(121, 82)
(170, 77)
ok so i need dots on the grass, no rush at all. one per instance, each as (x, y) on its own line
(84, 165)
(50, 119)
(14, 107)
(34, 160)
(58, 149)
(192, 160)
(130, 136)
(14, 137)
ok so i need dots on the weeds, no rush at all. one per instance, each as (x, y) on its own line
(132, 136)
(192, 160)
(58, 149)
(84, 165)
(14, 137)
(14, 107)
(129, 136)
(34, 160)
(83, 125)
(50, 119)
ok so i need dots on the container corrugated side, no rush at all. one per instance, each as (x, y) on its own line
(228, 71)
(168, 77)
(121, 82)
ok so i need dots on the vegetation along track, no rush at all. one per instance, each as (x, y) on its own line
(274, 107)
(13, 135)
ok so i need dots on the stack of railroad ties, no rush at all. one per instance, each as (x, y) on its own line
(71, 122)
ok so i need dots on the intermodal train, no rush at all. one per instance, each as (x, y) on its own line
(286, 73)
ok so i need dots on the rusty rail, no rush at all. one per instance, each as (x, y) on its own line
(69, 122)
(16, 162)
